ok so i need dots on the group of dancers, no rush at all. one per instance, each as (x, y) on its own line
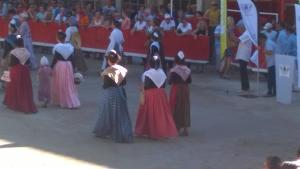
(159, 116)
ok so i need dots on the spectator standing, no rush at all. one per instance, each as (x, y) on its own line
(281, 39)
(269, 32)
(291, 42)
(213, 15)
(168, 24)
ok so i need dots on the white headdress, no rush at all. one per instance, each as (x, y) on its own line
(181, 55)
(44, 61)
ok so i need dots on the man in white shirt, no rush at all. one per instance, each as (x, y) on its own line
(243, 55)
(116, 41)
(168, 24)
(140, 24)
(269, 32)
(184, 27)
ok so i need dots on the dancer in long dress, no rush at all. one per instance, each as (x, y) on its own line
(18, 94)
(155, 119)
(44, 75)
(114, 120)
(156, 48)
(63, 89)
(180, 78)
(25, 32)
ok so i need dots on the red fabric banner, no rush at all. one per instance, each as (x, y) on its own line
(195, 49)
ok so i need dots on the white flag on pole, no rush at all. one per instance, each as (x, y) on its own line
(249, 16)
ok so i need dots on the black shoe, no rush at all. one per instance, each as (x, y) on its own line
(269, 95)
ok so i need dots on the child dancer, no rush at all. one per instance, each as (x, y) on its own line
(44, 75)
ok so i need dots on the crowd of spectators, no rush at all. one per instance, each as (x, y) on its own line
(183, 22)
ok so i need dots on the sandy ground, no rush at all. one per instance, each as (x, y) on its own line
(228, 131)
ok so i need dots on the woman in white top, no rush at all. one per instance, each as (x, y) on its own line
(97, 20)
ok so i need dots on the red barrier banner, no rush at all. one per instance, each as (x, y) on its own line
(195, 49)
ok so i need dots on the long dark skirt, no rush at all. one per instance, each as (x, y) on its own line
(79, 61)
(180, 105)
(114, 120)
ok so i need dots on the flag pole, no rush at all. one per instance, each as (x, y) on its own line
(258, 61)
(171, 6)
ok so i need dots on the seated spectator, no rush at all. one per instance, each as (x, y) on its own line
(272, 162)
(168, 24)
(40, 16)
(184, 28)
(20, 8)
(140, 13)
(140, 25)
(97, 20)
(55, 8)
(61, 18)
(83, 19)
(126, 22)
(108, 9)
(189, 11)
(32, 12)
(48, 15)
(202, 27)
(148, 15)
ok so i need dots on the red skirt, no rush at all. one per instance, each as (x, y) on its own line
(154, 116)
(180, 105)
(18, 94)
